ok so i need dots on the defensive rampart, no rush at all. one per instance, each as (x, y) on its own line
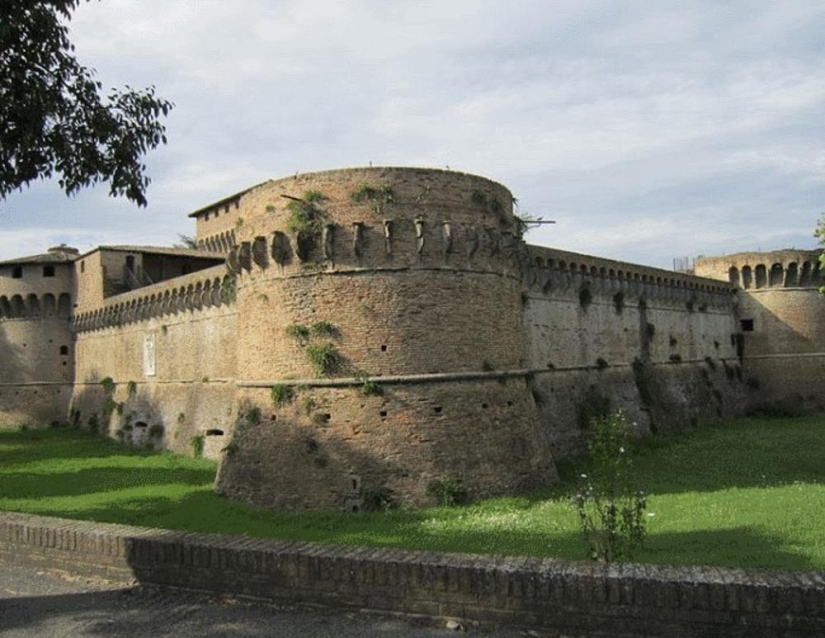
(605, 334)
(157, 365)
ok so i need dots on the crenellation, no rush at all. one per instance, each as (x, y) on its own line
(410, 332)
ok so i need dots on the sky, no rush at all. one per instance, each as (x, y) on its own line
(648, 130)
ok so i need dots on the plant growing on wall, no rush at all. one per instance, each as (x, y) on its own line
(611, 513)
(229, 289)
(197, 445)
(380, 196)
(131, 390)
(324, 329)
(298, 332)
(306, 219)
(368, 386)
(447, 492)
(282, 394)
(324, 357)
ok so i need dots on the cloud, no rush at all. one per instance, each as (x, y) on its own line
(646, 129)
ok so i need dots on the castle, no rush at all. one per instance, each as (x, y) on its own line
(347, 333)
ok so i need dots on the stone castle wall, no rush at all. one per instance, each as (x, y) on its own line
(454, 350)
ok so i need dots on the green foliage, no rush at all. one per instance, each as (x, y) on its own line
(253, 415)
(108, 385)
(448, 492)
(282, 394)
(819, 233)
(131, 390)
(324, 357)
(197, 443)
(323, 329)
(368, 387)
(645, 379)
(306, 220)
(229, 289)
(381, 499)
(55, 119)
(611, 513)
(298, 332)
(156, 431)
(94, 423)
(181, 418)
(308, 405)
(487, 366)
(718, 495)
(380, 196)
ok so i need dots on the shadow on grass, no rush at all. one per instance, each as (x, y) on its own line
(205, 512)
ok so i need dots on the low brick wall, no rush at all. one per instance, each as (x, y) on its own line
(546, 594)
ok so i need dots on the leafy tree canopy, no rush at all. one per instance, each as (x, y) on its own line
(54, 118)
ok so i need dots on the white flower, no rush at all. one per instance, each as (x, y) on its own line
(621, 449)
(651, 514)
(584, 475)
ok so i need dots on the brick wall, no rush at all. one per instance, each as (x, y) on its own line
(557, 596)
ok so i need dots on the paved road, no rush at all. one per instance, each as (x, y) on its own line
(46, 605)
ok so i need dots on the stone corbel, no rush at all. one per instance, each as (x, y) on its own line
(419, 234)
(388, 236)
(357, 238)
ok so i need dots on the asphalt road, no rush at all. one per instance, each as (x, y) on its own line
(46, 605)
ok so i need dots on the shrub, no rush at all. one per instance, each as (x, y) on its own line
(298, 332)
(131, 389)
(197, 445)
(448, 492)
(324, 357)
(611, 513)
(324, 329)
(368, 387)
(282, 394)
(306, 220)
(381, 499)
(108, 385)
(253, 415)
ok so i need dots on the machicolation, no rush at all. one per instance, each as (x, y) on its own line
(348, 334)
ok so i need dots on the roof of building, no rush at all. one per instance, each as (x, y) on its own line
(226, 200)
(161, 250)
(57, 255)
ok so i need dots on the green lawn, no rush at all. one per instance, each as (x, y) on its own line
(747, 493)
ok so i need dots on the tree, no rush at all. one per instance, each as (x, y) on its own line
(53, 116)
(819, 233)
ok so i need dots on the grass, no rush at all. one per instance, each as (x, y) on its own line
(749, 493)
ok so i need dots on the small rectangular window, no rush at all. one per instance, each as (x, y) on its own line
(747, 325)
(48, 271)
(82, 266)
(17, 272)
(64, 350)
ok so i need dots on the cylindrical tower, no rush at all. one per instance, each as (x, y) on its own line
(780, 313)
(381, 348)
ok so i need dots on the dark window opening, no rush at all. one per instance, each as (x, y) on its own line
(214, 432)
(483, 406)
(437, 409)
(48, 271)
(141, 424)
(17, 272)
(383, 414)
(64, 350)
(82, 266)
(383, 348)
(747, 325)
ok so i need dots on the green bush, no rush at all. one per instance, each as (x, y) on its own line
(448, 492)
(197, 445)
(381, 499)
(611, 513)
(324, 357)
(282, 394)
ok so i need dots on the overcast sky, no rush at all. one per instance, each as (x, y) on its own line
(648, 130)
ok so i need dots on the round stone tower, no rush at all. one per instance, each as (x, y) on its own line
(381, 347)
(779, 310)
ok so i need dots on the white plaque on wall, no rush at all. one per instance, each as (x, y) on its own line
(149, 355)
